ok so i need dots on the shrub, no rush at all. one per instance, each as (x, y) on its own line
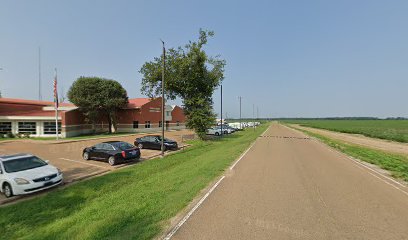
(10, 135)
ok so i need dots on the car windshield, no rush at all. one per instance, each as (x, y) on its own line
(22, 164)
(123, 145)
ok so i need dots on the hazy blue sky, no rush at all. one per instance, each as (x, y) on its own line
(289, 58)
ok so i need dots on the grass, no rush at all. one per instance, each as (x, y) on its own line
(131, 203)
(5, 139)
(394, 130)
(395, 163)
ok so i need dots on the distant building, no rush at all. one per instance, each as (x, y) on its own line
(37, 118)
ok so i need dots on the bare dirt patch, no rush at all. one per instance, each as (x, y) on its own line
(380, 144)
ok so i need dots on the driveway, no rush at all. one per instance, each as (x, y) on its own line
(67, 154)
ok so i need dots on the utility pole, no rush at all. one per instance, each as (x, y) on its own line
(257, 113)
(253, 116)
(240, 120)
(39, 74)
(162, 107)
(1, 69)
(56, 103)
(221, 112)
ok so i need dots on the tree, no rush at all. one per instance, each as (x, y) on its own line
(97, 97)
(191, 75)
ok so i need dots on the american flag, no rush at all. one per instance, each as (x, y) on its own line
(55, 90)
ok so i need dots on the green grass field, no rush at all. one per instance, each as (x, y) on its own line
(131, 203)
(395, 163)
(394, 130)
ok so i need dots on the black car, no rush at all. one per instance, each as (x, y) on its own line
(113, 151)
(154, 142)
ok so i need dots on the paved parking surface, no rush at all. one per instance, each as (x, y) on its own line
(67, 155)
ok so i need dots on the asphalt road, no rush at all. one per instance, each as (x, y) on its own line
(291, 187)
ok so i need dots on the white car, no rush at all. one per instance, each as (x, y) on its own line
(26, 173)
(225, 130)
(214, 131)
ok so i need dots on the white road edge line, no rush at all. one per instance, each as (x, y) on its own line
(356, 161)
(242, 155)
(177, 227)
(90, 164)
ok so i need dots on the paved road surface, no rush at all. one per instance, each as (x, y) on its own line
(295, 188)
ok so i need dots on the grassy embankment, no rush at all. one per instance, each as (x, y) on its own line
(394, 130)
(395, 163)
(134, 202)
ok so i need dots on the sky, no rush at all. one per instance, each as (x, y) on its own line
(285, 58)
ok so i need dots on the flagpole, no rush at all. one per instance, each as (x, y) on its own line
(56, 103)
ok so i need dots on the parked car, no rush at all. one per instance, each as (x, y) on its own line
(113, 152)
(214, 131)
(236, 125)
(25, 173)
(225, 130)
(154, 142)
(229, 128)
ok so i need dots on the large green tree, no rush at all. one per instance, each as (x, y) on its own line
(191, 75)
(97, 97)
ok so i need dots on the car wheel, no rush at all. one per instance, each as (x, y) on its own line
(8, 191)
(140, 146)
(112, 160)
(86, 156)
(216, 134)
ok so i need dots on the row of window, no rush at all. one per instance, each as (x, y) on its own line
(147, 124)
(49, 127)
(29, 127)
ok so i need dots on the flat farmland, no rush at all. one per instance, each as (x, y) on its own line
(394, 130)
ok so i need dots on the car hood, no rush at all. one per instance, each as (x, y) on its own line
(36, 172)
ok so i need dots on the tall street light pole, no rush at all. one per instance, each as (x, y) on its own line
(39, 74)
(162, 107)
(221, 112)
(240, 121)
(253, 116)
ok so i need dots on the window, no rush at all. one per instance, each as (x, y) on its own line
(160, 123)
(135, 124)
(147, 124)
(49, 127)
(178, 123)
(99, 146)
(5, 127)
(27, 127)
(168, 113)
(107, 147)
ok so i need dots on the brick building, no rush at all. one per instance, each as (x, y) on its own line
(37, 118)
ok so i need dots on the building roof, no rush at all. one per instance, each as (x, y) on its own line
(34, 113)
(33, 102)
(138, 102)
(133, 102)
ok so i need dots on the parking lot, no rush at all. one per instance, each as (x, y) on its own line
(67, 154)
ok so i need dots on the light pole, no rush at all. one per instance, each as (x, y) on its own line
(253, 116)
(240, 121)
(221, 111)
(0, 90)
(162, 107)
